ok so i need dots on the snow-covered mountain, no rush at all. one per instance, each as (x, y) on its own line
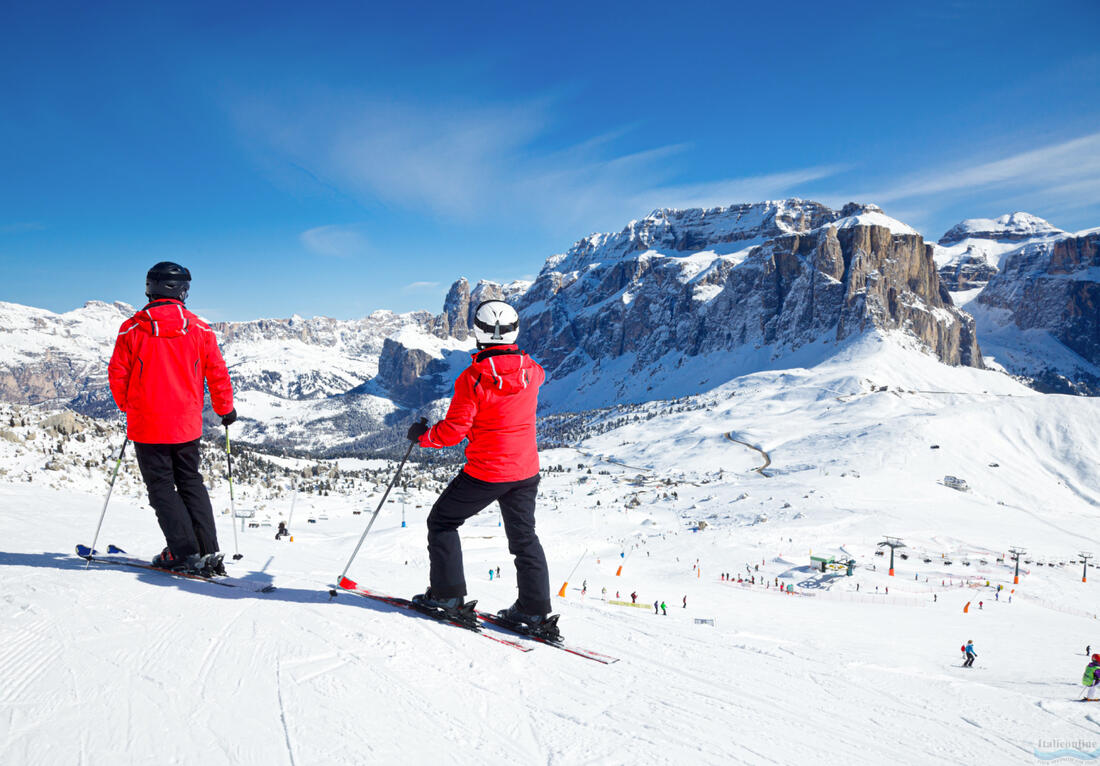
(298, 381)
(674, 304)
(1034, 291)
(683, 300)
(1040, 314)
(972, 251)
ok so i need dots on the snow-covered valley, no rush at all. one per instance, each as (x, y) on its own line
(108, 664)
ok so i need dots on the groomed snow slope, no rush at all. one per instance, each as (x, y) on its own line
(112, 665)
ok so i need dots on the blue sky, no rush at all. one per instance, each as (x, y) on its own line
(335, 158)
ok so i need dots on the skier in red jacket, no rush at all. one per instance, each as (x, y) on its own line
(494, 408)
(162, 356)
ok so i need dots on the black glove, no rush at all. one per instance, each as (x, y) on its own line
(416, 430)
(230, 417)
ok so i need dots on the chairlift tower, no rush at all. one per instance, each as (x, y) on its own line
(1085, 556)
(892, 543)
(1016, 553)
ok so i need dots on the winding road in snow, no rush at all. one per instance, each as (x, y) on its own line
(763, 454)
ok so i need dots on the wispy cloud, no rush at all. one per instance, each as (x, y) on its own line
(415, 287)
(1058, 177)
(472, 162)
(335, 241)
(750, 189)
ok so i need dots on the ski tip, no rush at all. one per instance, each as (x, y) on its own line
(114, 549)
(347, 584)
(238, 556)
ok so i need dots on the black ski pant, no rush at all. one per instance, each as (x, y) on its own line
(177, 494)
(969, 660)
(466, 496)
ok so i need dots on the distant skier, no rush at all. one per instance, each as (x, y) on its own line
(1091, 679)
(634, 597)
(970, 654)
(498, 573)
(282, 531)
(664, 609)
(493, 407)
(163, 356)
(656, 607)
(685, 602)
(491, 572)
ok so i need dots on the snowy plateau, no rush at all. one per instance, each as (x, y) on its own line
(815, 384)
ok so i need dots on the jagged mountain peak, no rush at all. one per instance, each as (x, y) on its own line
(684, 231)
(1012, 227)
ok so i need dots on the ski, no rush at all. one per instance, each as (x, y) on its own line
(113, 557)
(403, 603)
(522, 630)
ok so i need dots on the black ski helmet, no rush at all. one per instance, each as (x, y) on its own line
(167, 280)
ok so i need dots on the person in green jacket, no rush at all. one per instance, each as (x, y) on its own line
(1091, 679)
(664, 609)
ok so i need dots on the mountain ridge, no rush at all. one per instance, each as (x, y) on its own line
(678, 300)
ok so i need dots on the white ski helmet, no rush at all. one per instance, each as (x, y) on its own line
(495, 324)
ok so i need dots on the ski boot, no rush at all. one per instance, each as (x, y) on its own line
(212, 565)
(450, 608)
(540, 625)
(167, 560)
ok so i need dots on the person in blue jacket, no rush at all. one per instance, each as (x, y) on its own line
(971, 655)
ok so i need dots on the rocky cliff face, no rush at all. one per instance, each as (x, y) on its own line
(47, 357)
(778, 275)
(1052, 289)
(457, 318)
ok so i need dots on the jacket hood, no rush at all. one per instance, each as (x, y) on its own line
(503, 368)
(165, 318)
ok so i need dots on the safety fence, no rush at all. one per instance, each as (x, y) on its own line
(1059, 607)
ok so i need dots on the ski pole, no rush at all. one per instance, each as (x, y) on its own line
(232, 506)
(374, 516)
(110, 489)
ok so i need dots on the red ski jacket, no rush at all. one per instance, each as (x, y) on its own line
(494, 407)
(163, 354)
